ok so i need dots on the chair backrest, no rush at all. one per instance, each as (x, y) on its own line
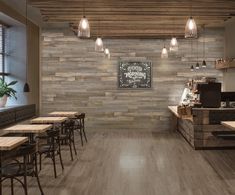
(21, 151)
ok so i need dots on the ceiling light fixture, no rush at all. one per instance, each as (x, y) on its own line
(164, 53)
(99, 46)
(107, 53)
(204, 49)
(197, 64)
(174, 44)
(26, 88)
(191, 27)
(84, 27)
(192, 68)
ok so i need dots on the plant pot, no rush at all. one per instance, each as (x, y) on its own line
(3, 101)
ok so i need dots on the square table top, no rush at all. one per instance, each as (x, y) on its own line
(229, 124)
(50, 120)
(9, 143)
(28, 128)
(64, 113)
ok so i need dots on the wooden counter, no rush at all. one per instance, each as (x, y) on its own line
(197, 130)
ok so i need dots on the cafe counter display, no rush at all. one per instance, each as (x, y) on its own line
(197, 129)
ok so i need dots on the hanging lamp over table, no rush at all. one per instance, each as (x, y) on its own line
(26, 88)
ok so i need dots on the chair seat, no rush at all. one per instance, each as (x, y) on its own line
(17, 170)
(47, 148)
(63, 137)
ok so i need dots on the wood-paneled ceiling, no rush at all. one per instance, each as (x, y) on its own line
(137, 18)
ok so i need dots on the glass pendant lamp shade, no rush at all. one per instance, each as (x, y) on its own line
(107, 53)
(84, 28)
(203, 64)
(164, 53)
(191, 29)
(204, 48)
(197, 66)
(99, 46)
(174, 44)
(192, 68)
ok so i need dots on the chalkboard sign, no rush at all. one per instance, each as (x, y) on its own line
(134, 75)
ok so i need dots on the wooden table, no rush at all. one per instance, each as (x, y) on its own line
(30, 129)
(64, 114)
(7, 144)
(49, 120)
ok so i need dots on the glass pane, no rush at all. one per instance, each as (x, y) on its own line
(1, 48)
(1, 64)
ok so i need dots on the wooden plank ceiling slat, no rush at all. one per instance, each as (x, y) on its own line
(131, 18)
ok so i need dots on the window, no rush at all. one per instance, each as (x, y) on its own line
(2, 52)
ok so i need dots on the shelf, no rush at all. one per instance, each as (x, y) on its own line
(224, 64)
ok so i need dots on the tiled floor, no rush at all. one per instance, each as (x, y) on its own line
(138, 163)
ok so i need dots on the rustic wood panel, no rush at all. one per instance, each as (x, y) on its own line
(76, 78)
(151, 18)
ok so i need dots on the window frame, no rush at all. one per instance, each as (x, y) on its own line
(3, 73)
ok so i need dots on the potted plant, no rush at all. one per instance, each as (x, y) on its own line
(6, 91)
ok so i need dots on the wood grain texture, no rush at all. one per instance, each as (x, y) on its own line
(135, 18)
(198, 132)
(229, 124)
(137, 163)
(27, 129)
(48, 120)
(65, 114)
(9, 143)
(76, 78)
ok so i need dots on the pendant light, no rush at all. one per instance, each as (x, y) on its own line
(174, 45)
(204, 47)
(99, 46)
(191, 27)
(191, 56)
(197, 64)
(164, 54)
(26, 85)
(107, 53)
(84, 27)
(192, 68)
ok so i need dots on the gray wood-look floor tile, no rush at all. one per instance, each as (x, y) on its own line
(138, 163)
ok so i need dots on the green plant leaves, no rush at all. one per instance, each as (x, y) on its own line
(5, 89)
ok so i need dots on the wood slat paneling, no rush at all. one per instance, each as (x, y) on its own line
(76, 78)
(137, 18)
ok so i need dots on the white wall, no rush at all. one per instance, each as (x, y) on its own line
(229, 75)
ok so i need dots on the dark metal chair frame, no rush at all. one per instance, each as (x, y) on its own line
(51, 148)
(80, 126)
(17, 168)
(67, 136)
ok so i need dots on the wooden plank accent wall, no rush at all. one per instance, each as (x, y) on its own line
(76, 78)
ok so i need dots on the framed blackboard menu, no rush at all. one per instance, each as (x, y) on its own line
(135, 75)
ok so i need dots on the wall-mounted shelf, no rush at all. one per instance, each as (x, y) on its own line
(224, 64)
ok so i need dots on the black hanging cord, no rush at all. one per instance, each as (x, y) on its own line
(204, 43)
(26, 85)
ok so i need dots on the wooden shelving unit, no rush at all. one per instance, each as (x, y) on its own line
(224, 64)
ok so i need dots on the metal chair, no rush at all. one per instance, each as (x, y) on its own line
(51, 148)
(80, 126)
(67, 136)
(17, 168)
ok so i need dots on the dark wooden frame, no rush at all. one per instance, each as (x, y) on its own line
(119, 75)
